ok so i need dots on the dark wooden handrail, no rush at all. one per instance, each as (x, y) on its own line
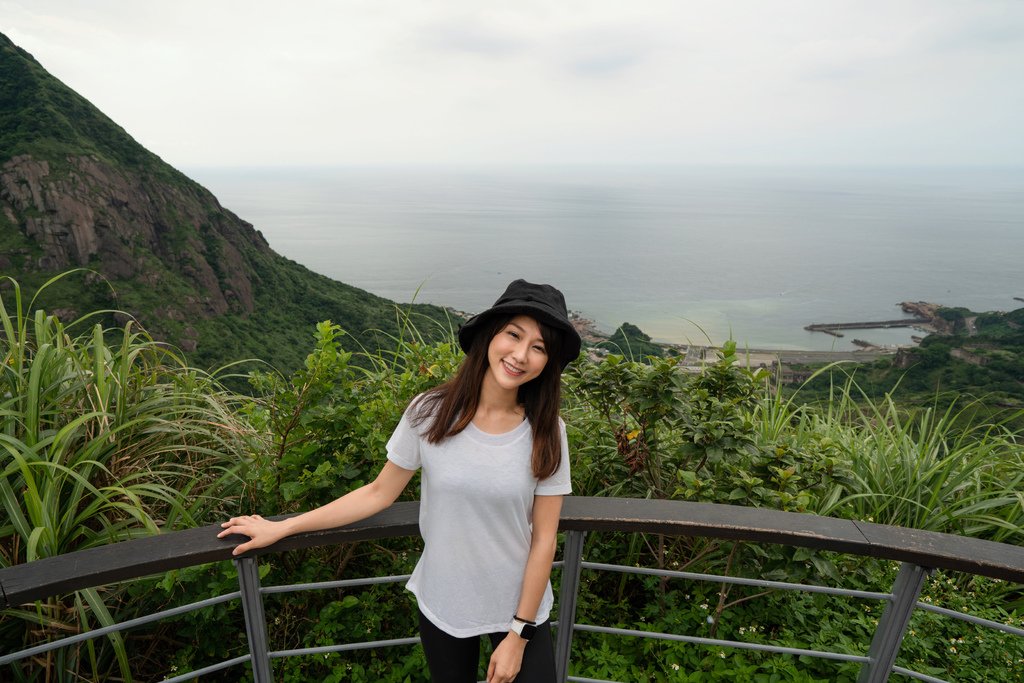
(679, 518)
(156, 554)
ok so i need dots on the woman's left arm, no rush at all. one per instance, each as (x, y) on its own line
(508, 656)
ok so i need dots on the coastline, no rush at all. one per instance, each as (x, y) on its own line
(698, 354)
(925, 317)
(591, 332)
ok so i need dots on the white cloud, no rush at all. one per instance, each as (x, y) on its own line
(222, 83)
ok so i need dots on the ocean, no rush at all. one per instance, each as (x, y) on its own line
(689, 254)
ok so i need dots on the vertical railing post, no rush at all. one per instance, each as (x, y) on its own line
(893, 625)
(255, 621)
(572, 561)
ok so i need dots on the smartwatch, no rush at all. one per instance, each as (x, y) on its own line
(523, 628)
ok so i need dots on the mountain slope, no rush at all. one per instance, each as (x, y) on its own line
(77, 191)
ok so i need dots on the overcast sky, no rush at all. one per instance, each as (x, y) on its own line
(228, 83)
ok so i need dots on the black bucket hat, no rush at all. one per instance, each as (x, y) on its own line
(542, 302)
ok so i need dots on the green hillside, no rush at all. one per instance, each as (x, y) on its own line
(76, 191)
(979, 355)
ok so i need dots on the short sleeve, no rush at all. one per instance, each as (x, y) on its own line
(559, 483)
(404, 445)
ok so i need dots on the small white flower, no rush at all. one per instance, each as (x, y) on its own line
(675, 667)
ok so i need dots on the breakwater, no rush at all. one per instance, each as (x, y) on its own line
(832, 328)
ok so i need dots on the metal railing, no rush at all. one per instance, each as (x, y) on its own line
(917, 551)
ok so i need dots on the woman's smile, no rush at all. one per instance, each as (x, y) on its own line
(516, 354)
(511, 369)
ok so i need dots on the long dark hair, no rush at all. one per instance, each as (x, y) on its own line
(450, 407)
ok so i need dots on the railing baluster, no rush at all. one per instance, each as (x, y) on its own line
(21, 585)
(893, 625)
(572, 556)
(255, 620)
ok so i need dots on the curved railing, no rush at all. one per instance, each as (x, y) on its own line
(918, 551)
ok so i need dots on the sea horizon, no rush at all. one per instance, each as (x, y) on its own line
(693, 254)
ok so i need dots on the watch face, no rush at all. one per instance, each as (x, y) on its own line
(524, 630)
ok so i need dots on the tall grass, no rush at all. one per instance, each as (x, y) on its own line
(928, 468)
(105, 435)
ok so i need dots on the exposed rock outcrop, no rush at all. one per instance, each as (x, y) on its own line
(929, 311)
(89, 213)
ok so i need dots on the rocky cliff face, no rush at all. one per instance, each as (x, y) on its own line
(89, 213)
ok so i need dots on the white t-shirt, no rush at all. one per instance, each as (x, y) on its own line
(476, 508)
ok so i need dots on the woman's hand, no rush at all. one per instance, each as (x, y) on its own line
(506, 660)
(355, 505)
(261, 532)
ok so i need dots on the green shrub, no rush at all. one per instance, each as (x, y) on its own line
(104, 436)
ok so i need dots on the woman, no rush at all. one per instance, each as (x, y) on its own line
(495, 467)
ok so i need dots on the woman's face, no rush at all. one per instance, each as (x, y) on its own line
(516, 353)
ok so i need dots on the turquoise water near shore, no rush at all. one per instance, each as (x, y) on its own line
(687, 254)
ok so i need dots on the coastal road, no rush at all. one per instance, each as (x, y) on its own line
(768, 357)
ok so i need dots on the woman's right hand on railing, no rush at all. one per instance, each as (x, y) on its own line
(261, 532)
(355, 505)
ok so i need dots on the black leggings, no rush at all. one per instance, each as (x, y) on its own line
(457, 660)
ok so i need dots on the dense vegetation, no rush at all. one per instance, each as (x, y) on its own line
(984, 360)
(987, 360)
(114, 438)
(630, 341)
